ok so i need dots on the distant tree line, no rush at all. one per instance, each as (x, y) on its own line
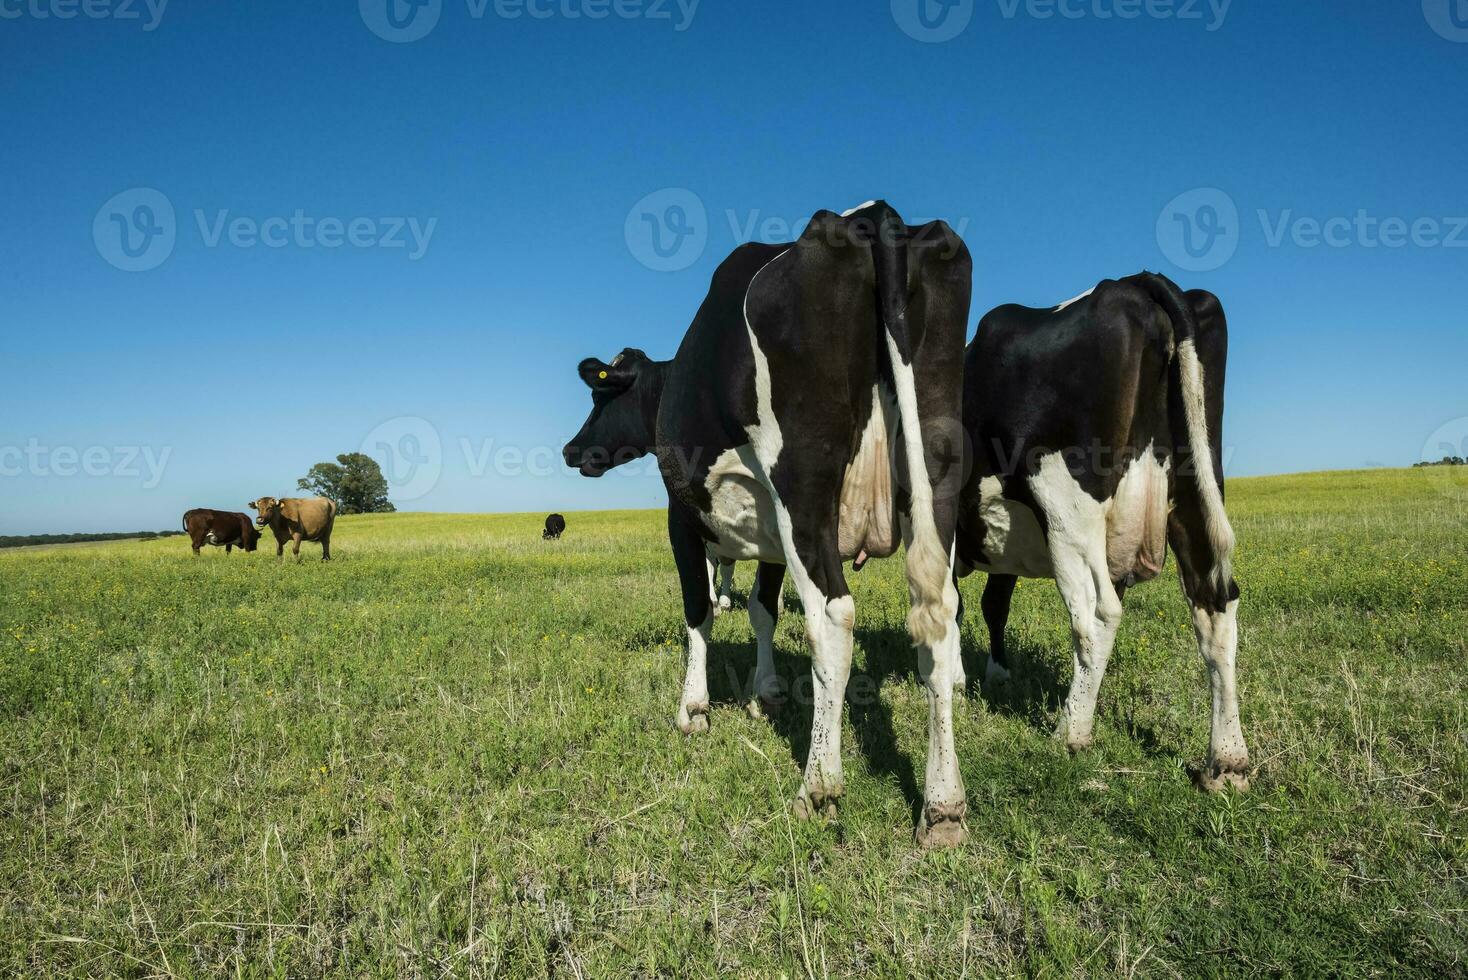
(29, 540)
(1445, 461)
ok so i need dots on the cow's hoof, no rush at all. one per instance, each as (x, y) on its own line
(725, 603)
(761, 708)
(1221, 777)
(1075, 742)
(816, 805)
(996, 673)
(941, 827)
(693, 719)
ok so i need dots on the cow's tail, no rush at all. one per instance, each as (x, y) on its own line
(927, 559)
(1166, 294)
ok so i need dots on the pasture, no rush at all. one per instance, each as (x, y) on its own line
(451, 751)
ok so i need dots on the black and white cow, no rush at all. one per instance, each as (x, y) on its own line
(1096, 432)
(811, 414)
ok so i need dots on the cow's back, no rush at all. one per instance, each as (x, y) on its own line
(1093, 374)
(313, 517)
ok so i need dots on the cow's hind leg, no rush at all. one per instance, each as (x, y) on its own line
(764, 615)
(944, 802)
(691, 558)
(1215, 612)
(809, 539)
(998, 597)
(1077, 536)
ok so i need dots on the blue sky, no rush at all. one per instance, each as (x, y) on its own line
(294, 312)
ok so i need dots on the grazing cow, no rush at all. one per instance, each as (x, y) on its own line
(220, 529)
(297, 520)
(811, 414)
(555, 526)
(1096, 430)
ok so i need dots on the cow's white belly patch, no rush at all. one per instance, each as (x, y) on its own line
(1131, 526)
(1014, 542)
(743, 518)
(742, 515)
(1136, 521)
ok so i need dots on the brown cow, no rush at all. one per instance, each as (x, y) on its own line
(220, 529)
(297, 520)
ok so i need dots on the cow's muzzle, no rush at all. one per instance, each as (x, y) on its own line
(593, 463)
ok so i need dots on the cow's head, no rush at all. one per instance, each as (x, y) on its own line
(268, 507)
(624, 407)
(249, 537)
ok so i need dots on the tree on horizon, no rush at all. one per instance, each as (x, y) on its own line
(354, 481)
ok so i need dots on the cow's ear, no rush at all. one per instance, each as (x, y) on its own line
(601, 376)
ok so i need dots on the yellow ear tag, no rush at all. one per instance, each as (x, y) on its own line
(603, 375)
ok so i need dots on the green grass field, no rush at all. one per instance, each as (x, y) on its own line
(451, 750)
